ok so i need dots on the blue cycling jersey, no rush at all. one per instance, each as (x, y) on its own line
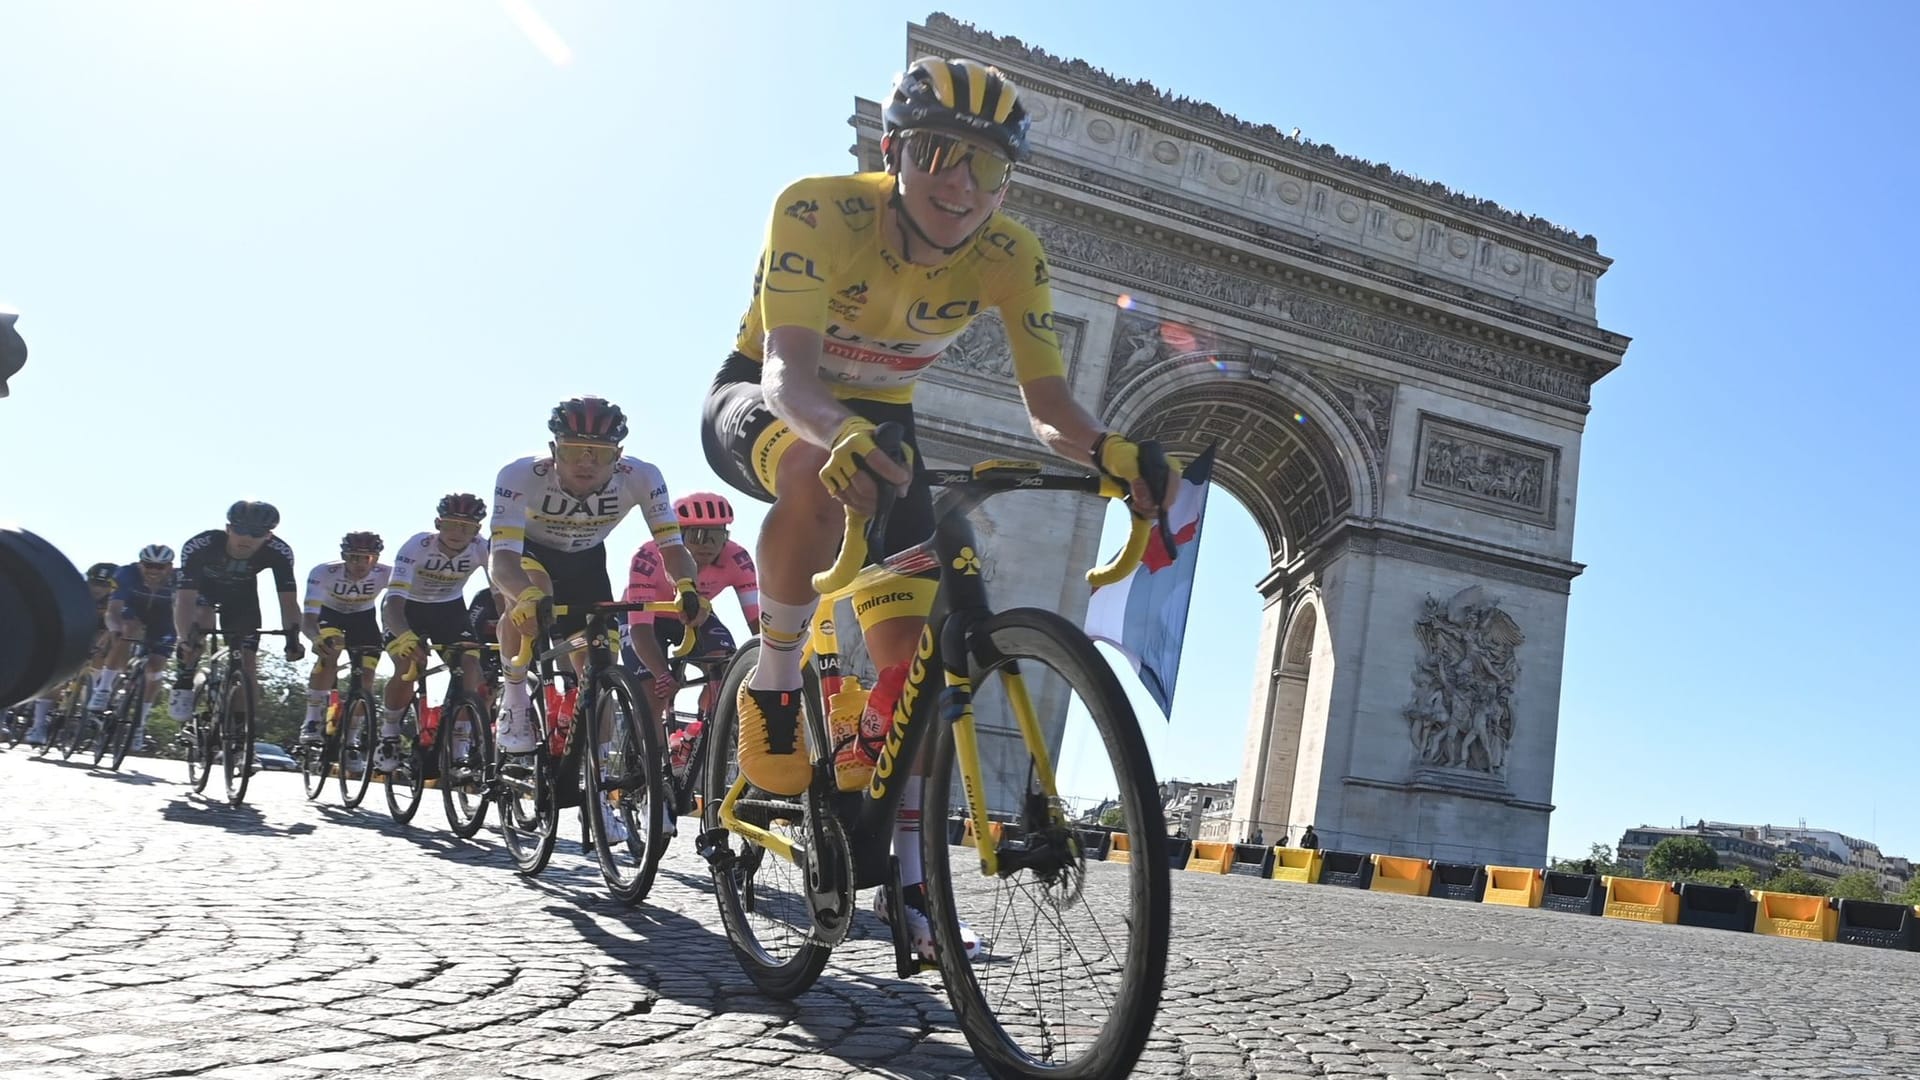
(141, 601)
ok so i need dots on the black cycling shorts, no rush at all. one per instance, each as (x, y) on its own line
(442, 623)
(361, 627)
(737, 429)
(579, 580)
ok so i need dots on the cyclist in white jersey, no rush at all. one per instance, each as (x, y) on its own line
(339, 614)
(426, 604)
(551, 519)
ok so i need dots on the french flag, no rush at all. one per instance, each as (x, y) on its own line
(1144, 615)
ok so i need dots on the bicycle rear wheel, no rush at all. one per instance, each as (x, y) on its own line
(356, 743)
(763, 897)
(76, 725)
(236, 733)
(625, 780)
(1057, 915)
(529, 804)
(462, 746)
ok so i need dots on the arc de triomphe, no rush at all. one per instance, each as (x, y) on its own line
(1397, 378)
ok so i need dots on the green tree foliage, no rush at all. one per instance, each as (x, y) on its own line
(1743, 876)
(1787, 860)
(1600, 855)
(1859, 885)
(1679, 856)
(1908, 895)
(1114, 817)
(1798, 881)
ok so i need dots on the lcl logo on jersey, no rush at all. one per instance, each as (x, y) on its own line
(925, 318)
(1000, 240)
(1041, 326)
(858, 212)
(593, 506)
(794, 264)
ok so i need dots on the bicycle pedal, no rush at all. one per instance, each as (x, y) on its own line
(711, 845)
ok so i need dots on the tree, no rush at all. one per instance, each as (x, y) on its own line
(1600, 855)
(1680, 856)
(1908, 895)
(1114, 817)
(1797, 881)
(1742, 876)
(1859, 885)
(1786, 860)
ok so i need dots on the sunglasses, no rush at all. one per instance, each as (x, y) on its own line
(250, 530)
(585, 453)
(934, 152)
(156, 566)
(705, 534)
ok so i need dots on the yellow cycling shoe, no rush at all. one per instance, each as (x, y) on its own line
(773, 756)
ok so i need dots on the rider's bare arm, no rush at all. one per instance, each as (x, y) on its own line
(790, 379)
(1061, 424)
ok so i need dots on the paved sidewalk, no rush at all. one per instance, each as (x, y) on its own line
(145, 932)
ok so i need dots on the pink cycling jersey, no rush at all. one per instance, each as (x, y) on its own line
(648, 581)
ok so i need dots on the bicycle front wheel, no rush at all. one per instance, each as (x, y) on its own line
(356, 743)
(106, 729)
(403, 783)
(763, 898)
(1077, 949)
(202, 742)
(529, 803)
(626, 789)
(127, 728)
(462, 746)
(236, 728)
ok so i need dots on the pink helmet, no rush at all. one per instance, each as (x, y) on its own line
(703, 508)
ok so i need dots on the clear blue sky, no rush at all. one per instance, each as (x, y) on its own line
(344, 255)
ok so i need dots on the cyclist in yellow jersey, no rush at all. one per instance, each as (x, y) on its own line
(865, 279)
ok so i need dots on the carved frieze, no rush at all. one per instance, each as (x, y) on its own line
(1265, 134)
(1485, 470)
(1312, 248)
(1300, 312)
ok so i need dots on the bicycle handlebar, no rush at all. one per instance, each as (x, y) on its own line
(860, 535)
(549, 611)
(863, 533)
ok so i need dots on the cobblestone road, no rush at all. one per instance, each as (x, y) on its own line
(144, 932)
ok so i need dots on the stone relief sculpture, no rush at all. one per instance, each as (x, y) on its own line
(1461, 715)
(1485, 471)
(982, 347)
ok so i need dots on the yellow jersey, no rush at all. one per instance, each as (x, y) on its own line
(884, 320)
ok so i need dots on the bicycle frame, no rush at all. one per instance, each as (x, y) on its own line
(960, 602)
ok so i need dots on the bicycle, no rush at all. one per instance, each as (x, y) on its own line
(67, 721)
(840, 842)
(620, 773)
(121, 720)
(221, 724)
(687, 758)
(348, 730)
(448, 741)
